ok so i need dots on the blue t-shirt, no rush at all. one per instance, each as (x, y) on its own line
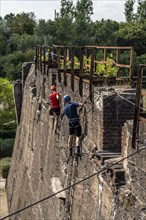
(70, 110)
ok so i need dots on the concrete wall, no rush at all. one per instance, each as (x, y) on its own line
(18, 95)
(40, 163)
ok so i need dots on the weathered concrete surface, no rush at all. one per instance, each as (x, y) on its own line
(3, 202)
(40, 156)
(17, 90)
(2, 183)
(132, 197)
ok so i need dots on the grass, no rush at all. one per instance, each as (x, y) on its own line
(4, 166)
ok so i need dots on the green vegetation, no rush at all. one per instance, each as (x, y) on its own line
(4, 166)
(6, 147)
(7, 111)
(109, 69)
(7, 134)
(68, 64)
(73, 25)
(8, 125)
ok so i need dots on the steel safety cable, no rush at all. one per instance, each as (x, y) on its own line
(54, 194)
(130, 102)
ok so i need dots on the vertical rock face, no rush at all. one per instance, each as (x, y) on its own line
(40, 166)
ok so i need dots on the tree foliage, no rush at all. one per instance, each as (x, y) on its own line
(67, 9)
(83, 23)
(22, 23)
(141, 10)
(129, 10)
(133, 34)
(105, 32)
(84, 10)
(7, 111)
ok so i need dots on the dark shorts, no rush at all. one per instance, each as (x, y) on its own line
(75, 128)
(55, 110)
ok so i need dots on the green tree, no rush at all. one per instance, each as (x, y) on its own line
(67, 9)
(104, 32)
(133, 34)
(45, 30)
(84, 10)
(23, 42)
(4, 34)
(7, 111)
(22, 23)
(141, 10)
(12, 63)
(129, 10)
(3, 45)
(64, 31)
(42, 28)
(83, 23)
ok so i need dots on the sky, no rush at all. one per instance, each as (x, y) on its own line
(45, 9)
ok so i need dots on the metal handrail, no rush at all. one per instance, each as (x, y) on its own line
(137, 117)
(87, 61)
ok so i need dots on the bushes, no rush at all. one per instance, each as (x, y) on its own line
(5, 171)
(4, 168)
(109, 69)
(7, 134)
(6, 147)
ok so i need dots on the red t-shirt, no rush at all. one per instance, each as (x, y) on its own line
(54, 100)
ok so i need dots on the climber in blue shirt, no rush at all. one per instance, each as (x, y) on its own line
(70, 110)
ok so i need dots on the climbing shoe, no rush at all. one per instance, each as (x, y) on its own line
(78, 151)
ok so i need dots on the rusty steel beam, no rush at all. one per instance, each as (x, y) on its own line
(131, 64)
(38, 57)
(41, 59)
(44, 55)
(135, 135)
(105, 58)
(58, 60)
(64, 61)
(81, 71)
(36, 60)
(123, 65)
(107, 47)
(91, 47)
(72, 68)
(61, 46)
(92, 69)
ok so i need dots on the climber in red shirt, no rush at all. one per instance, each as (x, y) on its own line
(54, 101)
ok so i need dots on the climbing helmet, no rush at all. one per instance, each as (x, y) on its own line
(53, 87)
(67, 98)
